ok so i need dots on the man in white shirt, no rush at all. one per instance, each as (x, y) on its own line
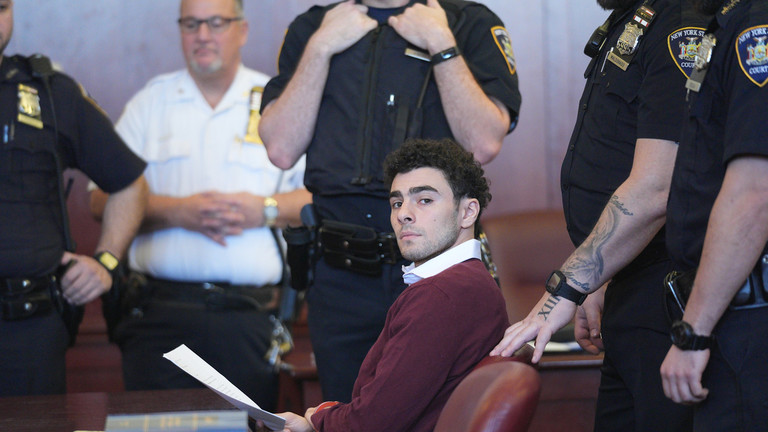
(206, 248)
(433, 335)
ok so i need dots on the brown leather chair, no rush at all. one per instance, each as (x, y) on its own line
(526, 248)
(499, 395)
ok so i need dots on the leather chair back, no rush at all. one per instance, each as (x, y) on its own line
(499, 395)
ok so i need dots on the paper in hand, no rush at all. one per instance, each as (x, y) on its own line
(192, 364)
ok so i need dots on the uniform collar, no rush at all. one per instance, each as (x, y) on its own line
(728, 10)
(13, 70)
(187, 89)
(457, 254)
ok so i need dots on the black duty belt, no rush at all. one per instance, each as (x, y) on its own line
(214, 295)
(357, 248)
(752, 294)
(25, 297)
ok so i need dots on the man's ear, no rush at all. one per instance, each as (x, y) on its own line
(469, 211)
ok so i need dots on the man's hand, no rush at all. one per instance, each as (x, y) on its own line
(245, 210)
(549, 315)
(681, 375)
(586, 328)
(342, 26)
(425, 26)
(209, 214)
(295, 423)
(84, 280)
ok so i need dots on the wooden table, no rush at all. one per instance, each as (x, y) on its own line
(88, 411)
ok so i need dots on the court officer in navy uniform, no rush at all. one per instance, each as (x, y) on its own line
(47, 124)
(615, 181)
(355, 80)
(718, 223)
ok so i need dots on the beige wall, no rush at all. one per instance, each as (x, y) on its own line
(114, 46)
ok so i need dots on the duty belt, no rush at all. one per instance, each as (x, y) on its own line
(357, 248)
(214, 295)
(752, 294)
(24, 297)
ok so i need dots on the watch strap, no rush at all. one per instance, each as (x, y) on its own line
(111, 263)
(445, 55)
(569, 293)
(691, 341)
(562, 289)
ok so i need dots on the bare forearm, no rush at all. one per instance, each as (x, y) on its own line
(622, 231)
(123, 213)
(736, 235)
(478, 122)
(287, 124)
(162, 213)
(290, 205)
(632, 217)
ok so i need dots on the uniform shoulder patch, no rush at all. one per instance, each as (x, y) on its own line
(90, 100)
(751, 50)
(504, 42)
(683, 45)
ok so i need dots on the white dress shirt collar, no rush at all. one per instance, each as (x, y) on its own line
(467, 250)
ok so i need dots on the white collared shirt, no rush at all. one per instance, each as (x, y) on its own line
(192, 148)
(457, 254)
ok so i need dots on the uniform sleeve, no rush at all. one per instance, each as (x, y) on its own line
(97, 149)
(661, 96)
(748, 93)
(416, 356)
(487, 49)
(296, 37)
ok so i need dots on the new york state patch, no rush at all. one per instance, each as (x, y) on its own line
(751, 50)
(683, 45)
(504, 42)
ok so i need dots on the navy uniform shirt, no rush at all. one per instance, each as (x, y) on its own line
(370, 104)
(618, 107)
(32, 236)
(726, 120)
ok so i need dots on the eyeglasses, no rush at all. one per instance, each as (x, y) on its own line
(216, 23)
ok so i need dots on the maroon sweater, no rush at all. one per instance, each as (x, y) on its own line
(435, 333)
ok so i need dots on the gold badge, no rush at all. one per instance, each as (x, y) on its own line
(252, 133)
(29, 107)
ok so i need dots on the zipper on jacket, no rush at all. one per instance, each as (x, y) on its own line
(365, 136)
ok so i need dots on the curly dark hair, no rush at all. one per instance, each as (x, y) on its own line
(463, 172)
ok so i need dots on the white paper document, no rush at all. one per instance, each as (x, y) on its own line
(192, 364)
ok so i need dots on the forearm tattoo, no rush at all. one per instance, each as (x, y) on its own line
(588, 264)
(550, 304)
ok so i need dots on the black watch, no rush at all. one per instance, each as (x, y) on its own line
(557, 285)
(683, 337)
(445, 55)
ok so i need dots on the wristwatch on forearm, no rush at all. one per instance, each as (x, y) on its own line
(683, 337)
(557, 285)
(111, 263)
(270, 211)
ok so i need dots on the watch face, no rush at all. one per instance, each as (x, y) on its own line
(681, 334)
(270, 212)
(554, 281)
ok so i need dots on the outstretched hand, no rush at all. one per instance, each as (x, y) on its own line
(550, 314)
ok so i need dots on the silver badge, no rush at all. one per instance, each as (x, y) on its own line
(704, 54)
(629, 39)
